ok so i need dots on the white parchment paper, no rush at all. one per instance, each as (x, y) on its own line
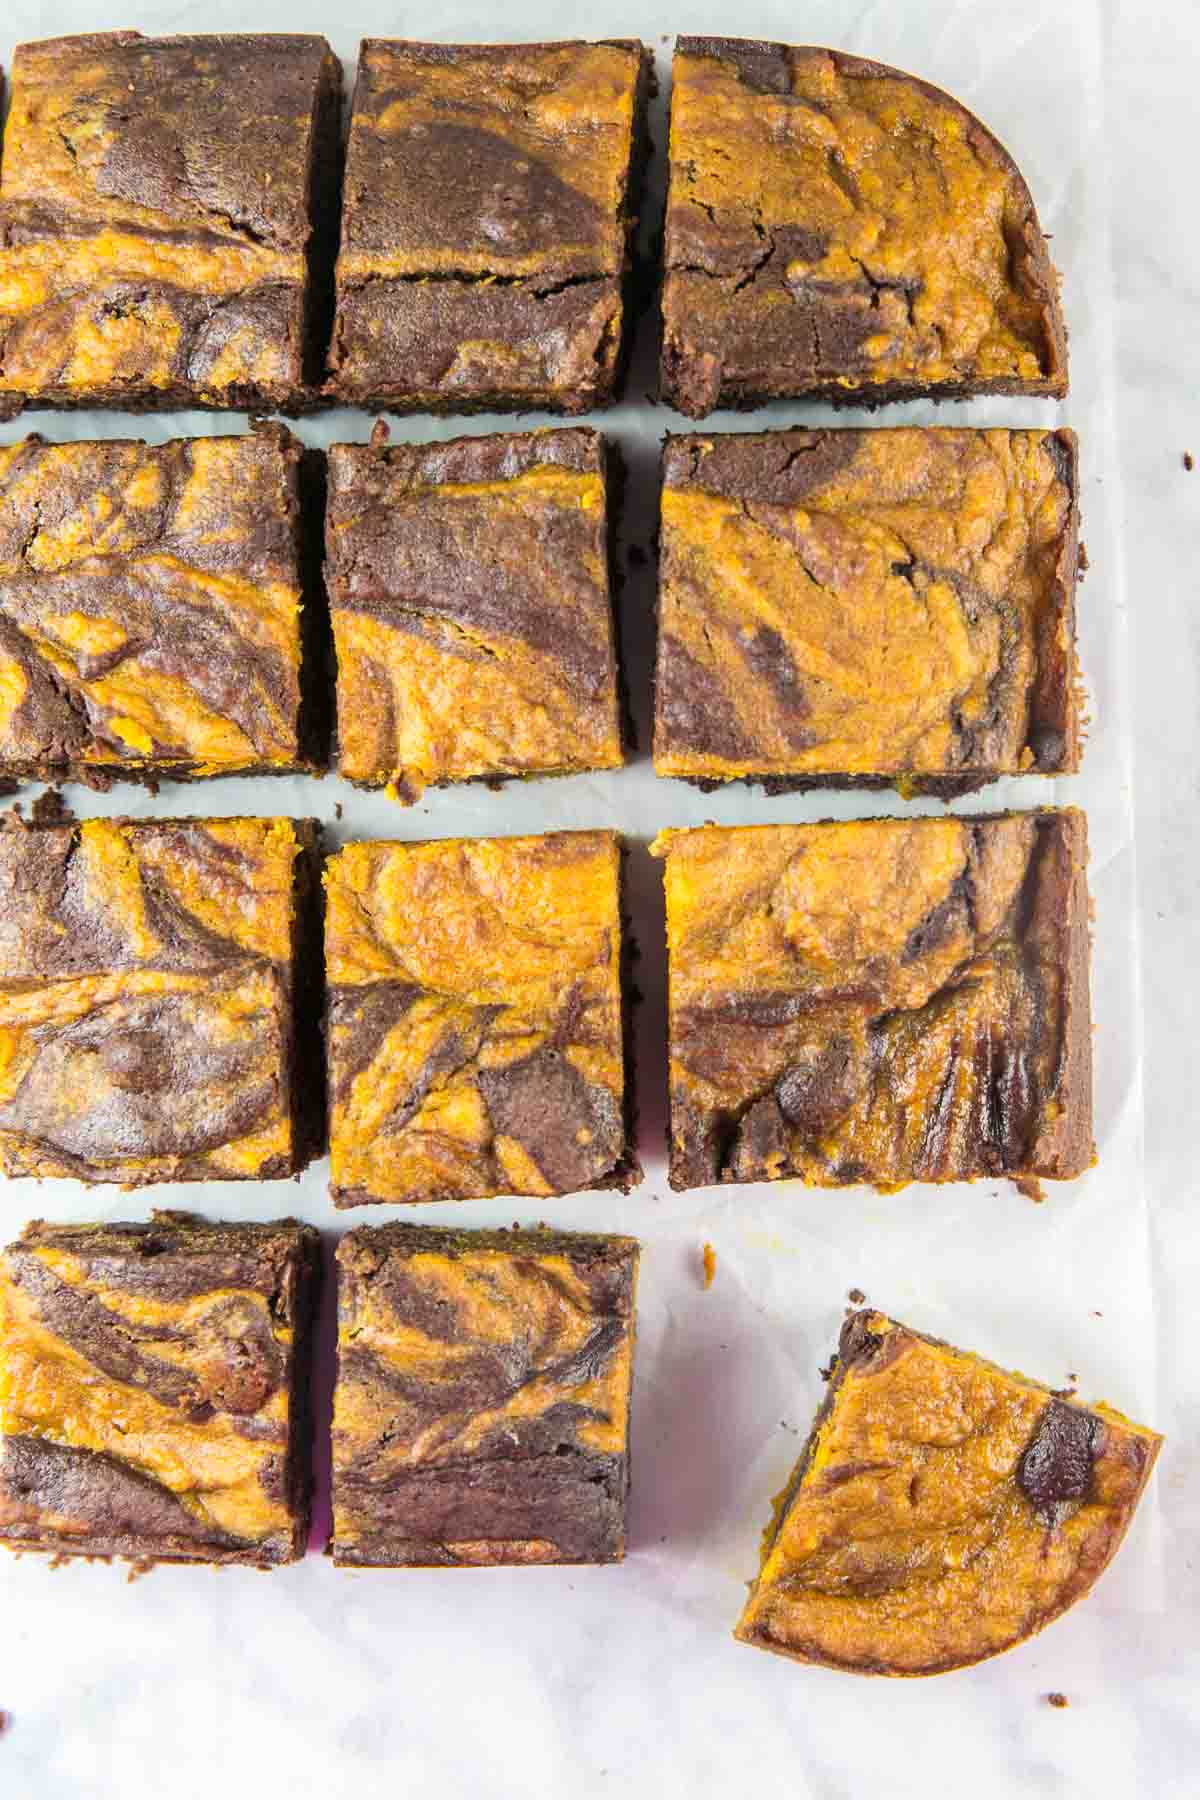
(545, 1682)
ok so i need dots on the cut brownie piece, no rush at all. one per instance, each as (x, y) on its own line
(840, 231)
(482, 1407)
(868, 608)
(154, 1390)
(156, 985)
(942, 1511)
(159, 205)
(475, 1018)
(882, 1001)
(469, 585)
(490, 200)
(150, 603)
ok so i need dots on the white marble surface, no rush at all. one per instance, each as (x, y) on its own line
(544, 1683)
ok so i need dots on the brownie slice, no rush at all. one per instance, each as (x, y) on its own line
(490, 201)
(837, 230)
(472, 617)
(481, 1414)
(150, 608)
(158, 990)
(880, 1001)
(475, 1019)
(154, 1390)
(868, 608)
(161, 201)
(943, 1510)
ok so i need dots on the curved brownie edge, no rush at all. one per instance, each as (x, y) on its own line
(1036, 268)
(859, 1344)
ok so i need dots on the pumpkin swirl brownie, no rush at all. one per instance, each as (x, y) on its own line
(481, 1414)
(158, 983)
(882, 1001)
(154, 1390)
(161, 201)
(475, 1018)
(837, 230)
(472, 616)
(942, 1511)
(490, 200)
(150, 609)
(868, 608)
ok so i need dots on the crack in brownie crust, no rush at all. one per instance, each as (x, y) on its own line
(839, 230)
(150, 607)
(153, 1390)
(880, 1001)
(147, 999)
(943, 1510)
(482, 1406)
(469, 587)
(474, 1018)
(881, 604)
(485, 230)
(155, 219)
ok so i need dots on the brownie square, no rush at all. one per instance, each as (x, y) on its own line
(470, 593)
(150, 607)
(879, 1001)
(475, 1020)
(159, 205)
(838, 231)
(481, 1414)
(490, 199)
(158, 982)
(943, 1510)
(154, 1390)
(868, 608)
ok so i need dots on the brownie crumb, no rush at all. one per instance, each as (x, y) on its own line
(1030, 1186)
(1189, 461)
(1059, 1700)
(5, 1722)
(380, 433)
(856, 1296)
(337, 809)
(710, 1264)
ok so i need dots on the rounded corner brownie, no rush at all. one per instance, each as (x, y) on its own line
(481, 1413)
(943, 1510)
(158, 990)
(868, 608)
(470, 594)
(163, 205)
(489, 205)
(838, 230)
(151, 600)
(879, 1001)
(154, 1390)
(475, 1019)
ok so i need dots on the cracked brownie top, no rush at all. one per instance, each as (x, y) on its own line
(150, 606)
(879, 1001)
(868, 604)
(943, 1510)
(485, 224)
(155, 214)
(474, 1023)
(469, 590)
(836, 227)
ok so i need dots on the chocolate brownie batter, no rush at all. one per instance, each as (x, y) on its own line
(475, 1035)
(868, 608)
(161, 204)
(490, 200)
(153, 1390)
(150, 607)
(943, 1510)
(879, 1001)
(469, 587)
(838, 230)
(482, 1407)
